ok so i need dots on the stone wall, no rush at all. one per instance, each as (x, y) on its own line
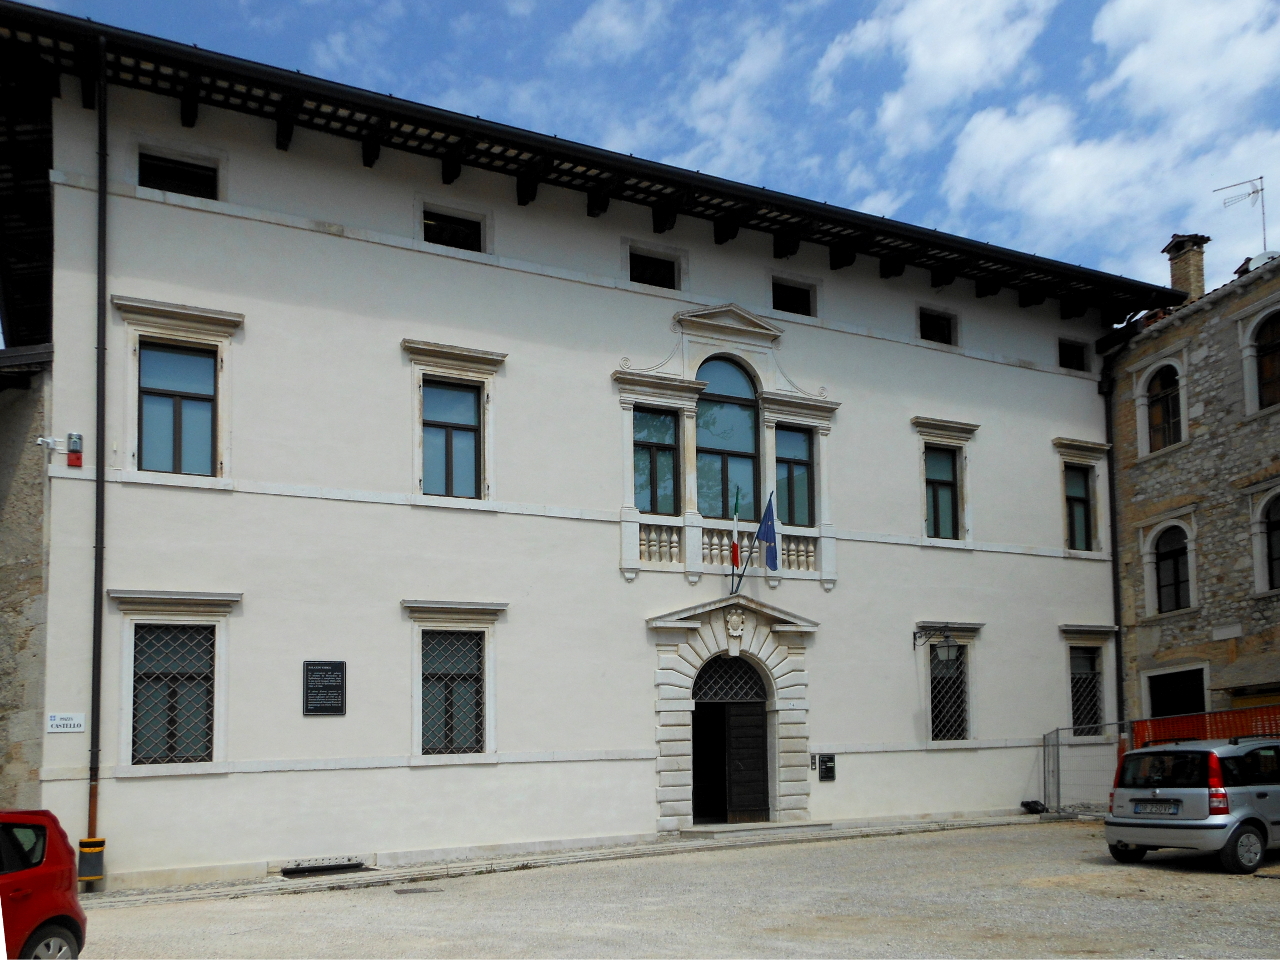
(1205, 482)
(22, 592)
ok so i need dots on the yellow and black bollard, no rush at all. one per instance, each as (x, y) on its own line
(91, 859)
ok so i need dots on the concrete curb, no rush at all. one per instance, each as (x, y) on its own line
(380, 877)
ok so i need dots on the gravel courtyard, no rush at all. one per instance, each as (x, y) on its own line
(1016, 891)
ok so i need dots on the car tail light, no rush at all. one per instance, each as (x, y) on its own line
(1219, 803)
(1111, 802)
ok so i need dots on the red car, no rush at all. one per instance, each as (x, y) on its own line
(42, 915)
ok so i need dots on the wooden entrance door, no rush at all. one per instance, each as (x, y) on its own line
(746, 780)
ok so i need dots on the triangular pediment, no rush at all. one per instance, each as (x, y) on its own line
(728, 320)
(782, 621)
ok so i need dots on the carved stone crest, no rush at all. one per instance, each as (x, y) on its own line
(735, 620)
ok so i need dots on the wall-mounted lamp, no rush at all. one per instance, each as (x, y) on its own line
(948, 649)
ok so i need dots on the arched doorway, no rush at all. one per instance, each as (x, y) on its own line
(730, 754)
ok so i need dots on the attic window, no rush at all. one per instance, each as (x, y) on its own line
(792, 298)
(937, 327)
(654, 271)
(177, 176)
(457, 232)
(1072, 356)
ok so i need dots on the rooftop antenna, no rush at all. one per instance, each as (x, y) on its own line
(1255, 194)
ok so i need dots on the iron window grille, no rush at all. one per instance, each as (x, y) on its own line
(173, 693)
(177, 409)
(1173, 578)
(792, 298)
(452, 692)
(937, 327)
(657, 459)
(942, 493)
(725, 679)
(177, 176)
(1273, 544)
(654, 271)
(450, 439)
(1079, 508)
(794, 454)
(1164, 410)
(457, 232)
(727, 442)
(1267, 343)
(1086, 692)
(949, 691)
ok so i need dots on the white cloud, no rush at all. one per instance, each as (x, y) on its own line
(611, 31)
(951, 51)
(520, 8)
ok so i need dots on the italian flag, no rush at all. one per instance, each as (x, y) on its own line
(734, 548)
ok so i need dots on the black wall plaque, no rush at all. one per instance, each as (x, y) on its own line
(324, 688)
(826, 766)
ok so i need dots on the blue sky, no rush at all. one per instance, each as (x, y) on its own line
(1085, 130)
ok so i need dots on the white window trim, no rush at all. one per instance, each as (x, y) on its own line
(1248, 333)
(953, 435)
(1144, 689)
(1088, 354)
(966, 635)
(1187, 521)
(141, 607)
(1260, 500)
(1083, 453)
(1176, 357)
(462, 365)
(811, 283)
(422, 202)
(651, 249)
(1101, 637)
(462, 616)
(205, 156)
(178, 325)
(955, 344)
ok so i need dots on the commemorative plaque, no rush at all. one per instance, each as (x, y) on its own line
(324, 688)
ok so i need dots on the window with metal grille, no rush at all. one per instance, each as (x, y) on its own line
(1164, 410)
(725, 679)
(937, 327)
(450, 439)
(794, 451)
(452, 692)
(727, 417)
(1173, 578)
(1273, 544)
(656, 457)
(792, 298)
(172, 693)
(949, 691)
(654, 271)
(1267, 342)
(942, 506)
(458, 232)
(1072, 355)
(1079, 508)
(1086, 692)
(177, 409)
(177, 176)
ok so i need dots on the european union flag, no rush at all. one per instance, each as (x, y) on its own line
(768, 536)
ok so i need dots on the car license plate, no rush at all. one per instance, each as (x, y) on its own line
(1155, 808)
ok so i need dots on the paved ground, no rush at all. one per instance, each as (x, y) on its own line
(1034, 890)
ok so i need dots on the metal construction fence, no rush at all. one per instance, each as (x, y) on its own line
(1080, 762)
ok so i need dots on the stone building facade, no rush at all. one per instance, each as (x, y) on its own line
(1197, 462)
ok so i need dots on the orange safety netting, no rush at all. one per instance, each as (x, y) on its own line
(1218, 725)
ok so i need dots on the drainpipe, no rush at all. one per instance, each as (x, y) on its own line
(1107, 387)
(91, 850)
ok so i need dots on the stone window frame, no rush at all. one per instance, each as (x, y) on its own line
(952, 435)
(465, 366)
(1260, 498)
(183, 326)
(1083, 453)
(966, 635)
(1144, 690)
(1149, 532)
(662, 251)
(1101, 636)
(166, 607)
(1174, 356)
(463, 616)
(1248, 328)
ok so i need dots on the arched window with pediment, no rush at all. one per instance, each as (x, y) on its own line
(1267, 344)
(1164, 409)
(728, 441)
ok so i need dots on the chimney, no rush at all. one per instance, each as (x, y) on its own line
(1186, 263)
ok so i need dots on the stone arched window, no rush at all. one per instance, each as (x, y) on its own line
(728, 441)
(1173, 577)
(1267, 343)
(1164, 409)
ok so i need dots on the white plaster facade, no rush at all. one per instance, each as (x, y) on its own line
(308, 278)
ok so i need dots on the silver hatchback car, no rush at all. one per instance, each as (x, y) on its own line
(1218, 796)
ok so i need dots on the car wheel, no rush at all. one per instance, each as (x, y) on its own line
(1243, 852)
(51, 940)
(1127, 854)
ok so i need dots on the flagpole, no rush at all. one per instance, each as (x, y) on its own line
(734, 591)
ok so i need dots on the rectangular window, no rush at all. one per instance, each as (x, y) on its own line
(792, 298)
(1176, 693)
(1078, 482)
(942, 500)
(173, 693)
(949, 691)
(451, 231)
(1086, 692)
(937, 327)
(177, 176)
(450, 439)
(794, 450)
(656, 456)
(452, 692)
(654, 271)
(177, 409)
(1072, 356)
